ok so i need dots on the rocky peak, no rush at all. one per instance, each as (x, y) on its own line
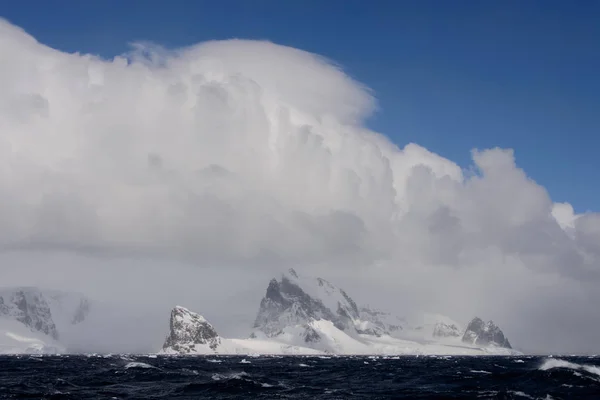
(28, 306)
(483, 333)
(295, 300)
(293, 272)
(188, 329)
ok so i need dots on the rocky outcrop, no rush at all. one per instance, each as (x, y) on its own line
(82, 311)
(483, 333)
(29, 307)
(445, 330)
(294, 300)
(381, 322)
(188, 331)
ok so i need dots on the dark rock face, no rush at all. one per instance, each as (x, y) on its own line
(383, 322)
(310, 335)
(445, 330)
(189, 329)
(82, 312)
(31, 309)
(485, 334)
(287, 302)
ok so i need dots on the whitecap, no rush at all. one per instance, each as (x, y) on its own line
(135, 364)
(480, 371)
(190, 371)
(233, 375)
(521, 394)
(244, 361)
(558, 363)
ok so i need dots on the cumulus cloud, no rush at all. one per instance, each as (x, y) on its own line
(240, 158)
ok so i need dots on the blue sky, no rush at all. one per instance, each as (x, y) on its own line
(449, 75)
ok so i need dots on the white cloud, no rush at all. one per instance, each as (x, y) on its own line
(243, 157)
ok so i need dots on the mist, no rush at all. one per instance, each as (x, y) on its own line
(193, 176)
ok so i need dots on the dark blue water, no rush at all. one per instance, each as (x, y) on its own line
(147, 377)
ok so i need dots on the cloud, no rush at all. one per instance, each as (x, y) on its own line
(244, 157)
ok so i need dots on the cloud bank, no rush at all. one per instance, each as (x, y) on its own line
(240, 158)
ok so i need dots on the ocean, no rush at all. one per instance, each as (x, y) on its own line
(236, 377)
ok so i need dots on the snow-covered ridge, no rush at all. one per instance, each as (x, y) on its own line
(191, 333)
(296, 300)
(297, 315)
(304, 315)
(191, 338)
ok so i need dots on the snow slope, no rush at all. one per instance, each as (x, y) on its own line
(36, 320)
(191, 333)
(326, 338)
(48, 311)
(17, 338)
(312, 312)
(296, 300)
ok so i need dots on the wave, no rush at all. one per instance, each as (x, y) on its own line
(135, 364)
(552, 363)
(521, 394)
(232, 375)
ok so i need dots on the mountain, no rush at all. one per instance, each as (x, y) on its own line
(383, 322)
(485, 334)
(38, 316)
(29, 307)
(313, 312)
(423, 326)
(188, 331)
(17, 338)
(294, 300)
(191, 333)
(297, 315)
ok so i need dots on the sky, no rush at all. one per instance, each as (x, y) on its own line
(434, 157)
(450, 76)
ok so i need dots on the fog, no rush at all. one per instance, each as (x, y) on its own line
(193, 176)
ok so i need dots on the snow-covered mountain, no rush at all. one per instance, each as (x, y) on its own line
(191, 333)
(485, 334)
(298, 315)
(424, 326)
(17, 338)
(384, 322)
(38, 316)
(296, 300)
(304, 315)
